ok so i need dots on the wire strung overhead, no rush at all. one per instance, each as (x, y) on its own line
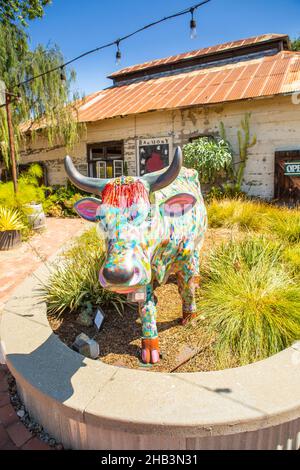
(116, 42)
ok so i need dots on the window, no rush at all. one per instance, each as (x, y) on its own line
(105, 159)
(118, 167)
(101, 169)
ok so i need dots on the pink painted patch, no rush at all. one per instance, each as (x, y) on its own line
(154, 356)
(87, 208)
(179, 204)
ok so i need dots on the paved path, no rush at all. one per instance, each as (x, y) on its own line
(13, 434)
(15, 266)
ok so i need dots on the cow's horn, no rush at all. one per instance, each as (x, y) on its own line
(85, 183)
(161, 179)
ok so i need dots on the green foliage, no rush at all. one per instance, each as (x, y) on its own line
(281, 223)
(17, 12)
(245, 142)
(291, 256)
(237, 214)
(74, 280)
(60, 202)
(296, 44)
(212, 158)
(28, 192)
(285, 224)
(57, 201)
(10, 219)
(44, 102)
(224, 191)
(250, 299)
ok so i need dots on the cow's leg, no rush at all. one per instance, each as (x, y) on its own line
(150, 346)
(186, 288)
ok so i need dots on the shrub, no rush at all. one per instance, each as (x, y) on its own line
(236, 213)
(250, 300)
(285, 224)
(10, 219)
(28, 189)
(212, 158)
(61, 200)
(74, 280)
(26, 193)
(291, 256)
(243, 214)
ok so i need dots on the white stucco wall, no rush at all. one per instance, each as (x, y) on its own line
(275, 121)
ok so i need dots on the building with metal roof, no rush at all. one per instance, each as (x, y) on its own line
(134, 125)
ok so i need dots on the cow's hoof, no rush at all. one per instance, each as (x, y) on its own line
(188, 317)
(150, 351)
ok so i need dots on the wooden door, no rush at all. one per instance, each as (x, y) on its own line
(287, 188)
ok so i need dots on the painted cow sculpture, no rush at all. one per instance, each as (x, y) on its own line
(152, 225)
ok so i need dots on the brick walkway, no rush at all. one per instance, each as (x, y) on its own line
(18, 263)
(13, 434)
(15, 266)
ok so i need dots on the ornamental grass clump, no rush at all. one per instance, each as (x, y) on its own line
(10, 219)
(285, 224)
(280, 223)
(74, 280)
(250, 300)
(237, 213)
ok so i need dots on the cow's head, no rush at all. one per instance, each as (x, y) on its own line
(125, 221)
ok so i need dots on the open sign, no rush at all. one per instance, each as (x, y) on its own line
(292, 168)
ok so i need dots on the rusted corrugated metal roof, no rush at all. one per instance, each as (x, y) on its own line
(199, 53)
(266, 76)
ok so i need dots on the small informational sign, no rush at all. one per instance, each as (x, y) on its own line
(153, 154)
(2, 92)
(292, 168)
(99, 318)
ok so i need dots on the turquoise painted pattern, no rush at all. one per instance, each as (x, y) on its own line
(156, 236)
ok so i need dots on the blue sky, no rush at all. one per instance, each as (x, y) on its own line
(80, 25)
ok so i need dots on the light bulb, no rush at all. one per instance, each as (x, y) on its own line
(118, 57)
(63, 75)
(193, 29)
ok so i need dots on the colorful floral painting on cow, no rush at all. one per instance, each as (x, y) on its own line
(152, 226)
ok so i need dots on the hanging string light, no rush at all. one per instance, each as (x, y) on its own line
(193, 25)
(63, 74)
(193, 33)
(118, 53)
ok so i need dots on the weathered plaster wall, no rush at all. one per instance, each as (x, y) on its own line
(275, 121)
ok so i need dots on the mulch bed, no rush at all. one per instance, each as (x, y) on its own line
(186, 348)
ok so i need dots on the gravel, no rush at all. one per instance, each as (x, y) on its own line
(33, 427)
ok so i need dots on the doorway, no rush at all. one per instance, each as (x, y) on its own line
(287, 184)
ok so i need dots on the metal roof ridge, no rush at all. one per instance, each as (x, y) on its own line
(189, 54)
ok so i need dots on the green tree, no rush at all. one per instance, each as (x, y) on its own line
(296, 44)
(17, 12)
(44, 102)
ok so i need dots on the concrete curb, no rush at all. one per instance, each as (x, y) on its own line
(87, 404)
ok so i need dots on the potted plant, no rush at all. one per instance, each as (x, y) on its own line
(10, 228)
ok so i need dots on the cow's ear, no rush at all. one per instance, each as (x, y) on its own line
(178, 205)
(88, 208)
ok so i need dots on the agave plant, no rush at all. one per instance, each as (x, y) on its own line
(10, 219)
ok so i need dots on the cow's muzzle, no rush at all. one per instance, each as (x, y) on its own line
(118, 275)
